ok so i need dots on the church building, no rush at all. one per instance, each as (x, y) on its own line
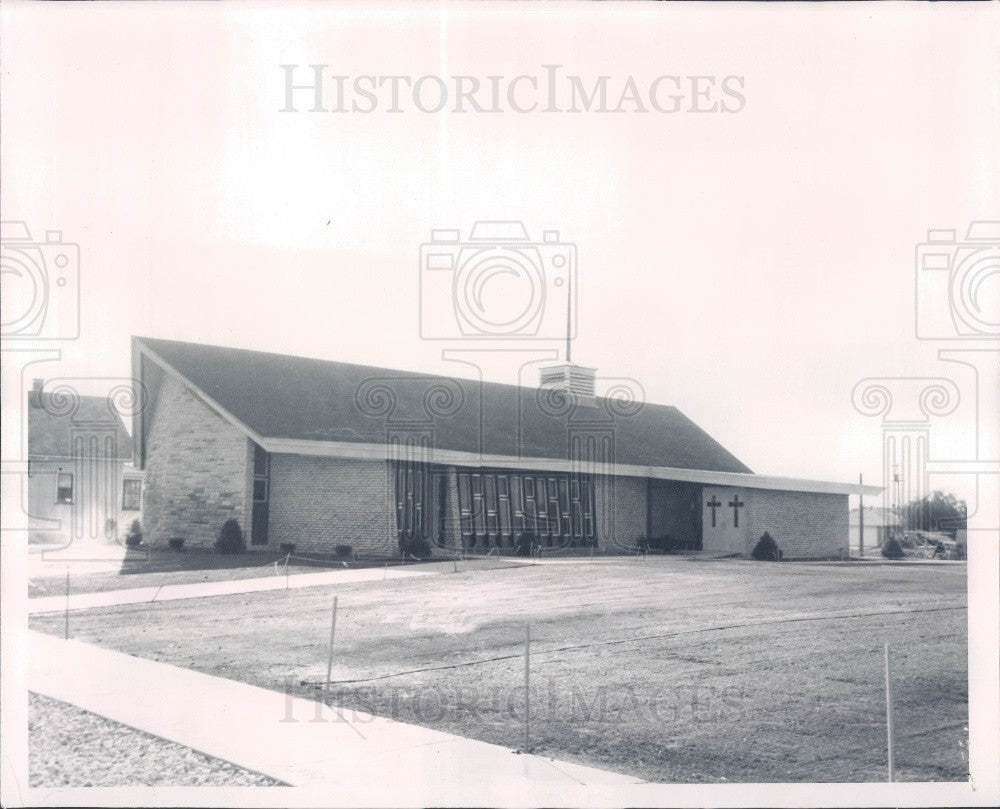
(329, 456)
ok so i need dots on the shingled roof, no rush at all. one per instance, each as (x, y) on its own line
(54, 417)
(277, 396)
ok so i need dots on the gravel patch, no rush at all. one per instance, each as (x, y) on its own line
(68, 746)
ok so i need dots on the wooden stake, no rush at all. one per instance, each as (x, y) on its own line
(66, 621)
(329, 661)
(861, 521)
(889, 716)
(527, 687)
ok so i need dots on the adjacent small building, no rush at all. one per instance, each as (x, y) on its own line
(323, 454)
(879, 524)
(82, 484)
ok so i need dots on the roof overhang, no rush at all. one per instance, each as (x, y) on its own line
(384, 452)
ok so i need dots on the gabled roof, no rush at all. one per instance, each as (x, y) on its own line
(54, 418)
(285, 397)
(334, 409)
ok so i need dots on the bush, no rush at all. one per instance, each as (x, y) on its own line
(415, 546)
(766, 549)
(641, 543)
(344, 551)
(230, 538)
(892, 550)
(287, 547)
(526, 544)
(176, 543)
(133, 538)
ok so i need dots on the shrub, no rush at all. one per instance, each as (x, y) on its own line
(344, 551)
(766, 549)
(415, 546)
(110, 527)
(641, 543)
(230, 538)
(133, 538)
(176, 543)
(526, 544)
(287, 547)
(892, 550)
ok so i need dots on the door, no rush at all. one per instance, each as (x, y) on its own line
(724, 520)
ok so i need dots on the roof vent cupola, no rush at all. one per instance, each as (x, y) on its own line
(577, 380)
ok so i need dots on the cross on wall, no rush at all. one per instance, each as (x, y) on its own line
(735, 504)
(713, 504)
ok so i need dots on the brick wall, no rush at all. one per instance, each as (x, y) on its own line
(805, 525)
(620, 510)
(198, 470)
(318, 503)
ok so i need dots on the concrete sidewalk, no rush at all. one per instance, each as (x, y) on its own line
(366, 760)
(174, 592)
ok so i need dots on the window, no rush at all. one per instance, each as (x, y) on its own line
(498, 507)
(131, 495)
(64, 488)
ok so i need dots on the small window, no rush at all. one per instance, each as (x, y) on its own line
(131, 495)
(64, 488)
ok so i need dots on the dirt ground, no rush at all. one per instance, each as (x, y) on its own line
(671, 669)
(159, 566)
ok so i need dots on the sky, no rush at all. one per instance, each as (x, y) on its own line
(748, 267)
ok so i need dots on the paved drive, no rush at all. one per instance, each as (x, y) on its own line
(366, 760)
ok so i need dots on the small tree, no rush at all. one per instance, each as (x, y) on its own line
(230, 538)
(766, 549)
(133, 538)
(892, 549)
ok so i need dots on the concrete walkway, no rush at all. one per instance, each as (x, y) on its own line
(173, 592)
(366, 760)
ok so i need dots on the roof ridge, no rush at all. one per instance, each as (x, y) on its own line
(413, 374)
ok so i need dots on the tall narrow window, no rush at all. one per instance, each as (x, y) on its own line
(555, 528)
(503, 505)
(490, 501)
(261, 494)
(64, 488)
(465, 507)
(478, 512)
